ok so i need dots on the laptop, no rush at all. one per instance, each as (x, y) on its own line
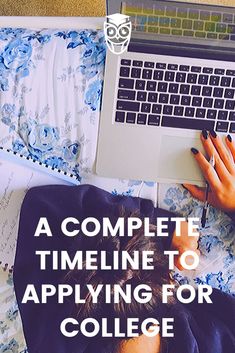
(176, 79)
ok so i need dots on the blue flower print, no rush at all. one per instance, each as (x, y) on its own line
(93, 95)
(6, 33)
(18, 146)
(16, 56)
(71, 150)
(42, 139)
(56, 162)
(8, 115)
(11, 347)
(12, 312)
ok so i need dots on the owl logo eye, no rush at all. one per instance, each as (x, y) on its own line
(111, 32)
(124, 32)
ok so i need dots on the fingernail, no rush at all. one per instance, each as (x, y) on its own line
(213, 134)
(194, 150)
(205, 134)
(229, 137)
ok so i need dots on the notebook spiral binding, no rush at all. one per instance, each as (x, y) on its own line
(71, 178)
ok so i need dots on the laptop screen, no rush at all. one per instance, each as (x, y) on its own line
(185, 24)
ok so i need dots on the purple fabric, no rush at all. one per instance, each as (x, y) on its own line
(198, 328)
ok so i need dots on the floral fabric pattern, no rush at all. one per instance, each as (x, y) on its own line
(64, 71)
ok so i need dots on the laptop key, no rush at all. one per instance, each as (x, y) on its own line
(172, 67)
(214, 80)
(230, 105)
(174, 99)
(233, 83)
(141, 119)
(232, 128)
(161, 66)
(222, 126)
(169, 76)
(163, 98)
(200, 113)
(154, 120)
(205, 15)
(128, 106)
(137, 63)
(206, 91)
(222, 115)
(126, 62)
(230, 72)
(196, 69)
(135, 73)
(216, 16)
(203, 79)
(191, 124)
(207, 102)
(125, 83)
(232, 116)
(180, 77)
(179, 111)
(184, 89)
(211, 114)
(151, 86)
(147, 74)
(225, 81)
(158, 75)
(219, 103)
(120, 117)
(140, 84)
(218, 92)
(124, 71)
(125, 94)
(184, 68)
(131, 118)
(185, 100)
(207, 70)
(157, 109)
(219, 71)
(227, 17)
(145, 108)
(192, 78)
(196, 90)
(149, 64)
(162, 87)
(167, 109)
(173, 88)
(197, 102)
(231, 29)
(152, 97)
(141, 96)
(189, 111)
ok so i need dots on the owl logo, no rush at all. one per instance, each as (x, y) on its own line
(117, 29)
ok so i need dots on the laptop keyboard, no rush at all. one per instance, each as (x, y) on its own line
(181, 21)
(176, 96)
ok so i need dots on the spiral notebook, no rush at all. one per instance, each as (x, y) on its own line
(17, 176)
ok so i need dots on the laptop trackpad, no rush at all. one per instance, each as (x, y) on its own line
(176, 159)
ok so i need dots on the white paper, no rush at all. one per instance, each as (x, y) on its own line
(15, 181)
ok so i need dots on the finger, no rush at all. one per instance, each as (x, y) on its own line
(196, 191)
(222, 151)
(211, 150)
(231, 146)
(207, 170)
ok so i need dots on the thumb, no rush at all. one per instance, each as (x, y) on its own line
(196, 191)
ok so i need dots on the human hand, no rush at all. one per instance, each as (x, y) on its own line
(183, 243)
(221, 178)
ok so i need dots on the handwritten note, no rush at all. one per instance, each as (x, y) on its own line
(15, 181)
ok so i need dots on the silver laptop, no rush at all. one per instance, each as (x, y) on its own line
(176, 78)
